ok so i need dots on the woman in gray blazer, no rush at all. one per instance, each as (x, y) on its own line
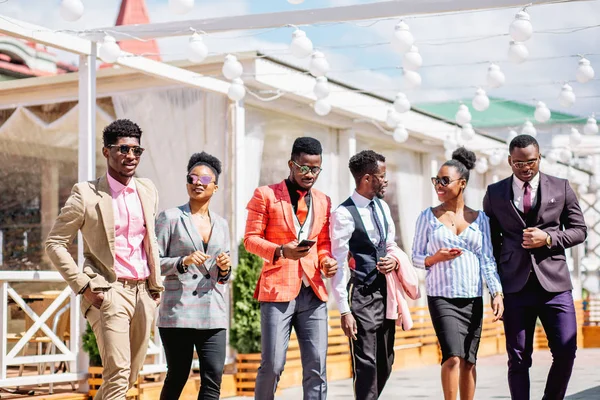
(194, 256)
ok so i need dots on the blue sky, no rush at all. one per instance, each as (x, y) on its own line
(532, 80)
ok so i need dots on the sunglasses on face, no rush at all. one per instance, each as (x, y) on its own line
(305, 169)
(203, 180)
(523, 164)
(125, 149)
(444, 181)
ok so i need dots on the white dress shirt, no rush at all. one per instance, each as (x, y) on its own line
(518, 191)
(302, 231)
(342, 228)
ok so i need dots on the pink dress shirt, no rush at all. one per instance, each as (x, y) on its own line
(130, 230)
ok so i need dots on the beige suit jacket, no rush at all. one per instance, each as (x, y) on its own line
(90, 209)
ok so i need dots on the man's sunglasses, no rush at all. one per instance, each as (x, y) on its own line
(125, 149)
(523, 164)
(204, 180)
(444, 181)
(305, 169)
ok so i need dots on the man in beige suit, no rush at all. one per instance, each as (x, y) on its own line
(120, 283)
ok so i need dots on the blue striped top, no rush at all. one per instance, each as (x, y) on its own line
(461, 277)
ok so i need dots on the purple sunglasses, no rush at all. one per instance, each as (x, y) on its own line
(204, 179)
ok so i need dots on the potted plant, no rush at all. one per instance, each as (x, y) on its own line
(245, 329)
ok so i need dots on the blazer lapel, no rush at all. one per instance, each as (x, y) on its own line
(283, 196)
(105, 205)
(146, 199)
(513, 208)
(195, 238)
(318, 213)
(544, 195)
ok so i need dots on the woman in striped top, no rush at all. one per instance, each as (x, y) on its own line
(452, 242)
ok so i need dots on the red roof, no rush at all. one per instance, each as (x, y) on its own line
(135, 12)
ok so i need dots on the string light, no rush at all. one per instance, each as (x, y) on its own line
(109, 50)
(319, 66)
(321, 89)
(511, 135)
(232, 68)
(495, 77)
(403, 39)
(236, 91)
(181, 7)
(591, 126)
(412, 60)
(567, 97)
(521, 29)
(322, 107)
(401, 103)
(71, 10)
(565, 155)
(496, 158)
(585, 72)
(481, 165)
(301, 46)
(197, 50)
(400, 134)
(528, 129)
(463, 116)
(542, 113)
(481, 101)
(412, 79)
(552, 156)
(517, 52)
(467, 132)
(575, 137)
(393, 118)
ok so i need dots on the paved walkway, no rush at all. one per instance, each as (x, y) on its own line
(424, 383)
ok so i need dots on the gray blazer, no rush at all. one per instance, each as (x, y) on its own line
(196, 298)
(559, 215)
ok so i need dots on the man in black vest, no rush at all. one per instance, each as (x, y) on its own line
(362, 226)
(534, 218)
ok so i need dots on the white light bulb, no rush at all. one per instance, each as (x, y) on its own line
(591, 126)
(450, 144)
(181, 6)
(542, 113)
(109, 50)
(232, 68)
(528, 129)
(197, 50)
(318, 64)
(412, 79)
(585, 72)
(481, 101)
(393, 118)
(517, 52)
(401, 103)
(400, 134)
(520, 29)
(567, 97)
(412, 60)
(481, 165)
(496, 158)
(565, 155)
(322, 107)
(321, 89)
(575, 138)
(511, 135)
(552, 156)
(402, 40)
(462, 116)
(71, 10)
(495, 76)
(236, 91)
(301, 46)
(295, 1)
(467, 133)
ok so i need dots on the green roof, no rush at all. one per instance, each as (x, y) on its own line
(500, 113)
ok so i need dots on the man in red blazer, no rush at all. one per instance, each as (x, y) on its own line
(290, 289)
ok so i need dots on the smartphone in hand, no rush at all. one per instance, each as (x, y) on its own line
(456, 251)
(307, 243)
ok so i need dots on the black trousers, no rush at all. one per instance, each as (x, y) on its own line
(179, 346)
(373, 349)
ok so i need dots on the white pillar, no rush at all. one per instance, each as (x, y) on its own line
(86, 172)
(238, 134)
(347, 140)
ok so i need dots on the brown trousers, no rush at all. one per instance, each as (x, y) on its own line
(122, 327)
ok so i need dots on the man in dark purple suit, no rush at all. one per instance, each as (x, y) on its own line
(534, 217)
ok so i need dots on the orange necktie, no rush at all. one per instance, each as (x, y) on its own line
(302, 209)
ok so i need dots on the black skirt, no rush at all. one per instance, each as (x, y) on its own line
(457, 323)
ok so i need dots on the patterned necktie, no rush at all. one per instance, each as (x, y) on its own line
(377, 224)
(526, 197)
(302, 209)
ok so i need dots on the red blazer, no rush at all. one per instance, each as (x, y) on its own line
(270, 224)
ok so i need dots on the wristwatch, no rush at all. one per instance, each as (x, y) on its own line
(499, 294)
(548, 240)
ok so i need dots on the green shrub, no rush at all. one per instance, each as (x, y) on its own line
(245, 329)
(91, 347)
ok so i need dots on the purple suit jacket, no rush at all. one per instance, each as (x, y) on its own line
(559, 215)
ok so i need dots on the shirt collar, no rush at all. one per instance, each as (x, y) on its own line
(294, 187)
(360, 200)
(534, 182)
(117, 187)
